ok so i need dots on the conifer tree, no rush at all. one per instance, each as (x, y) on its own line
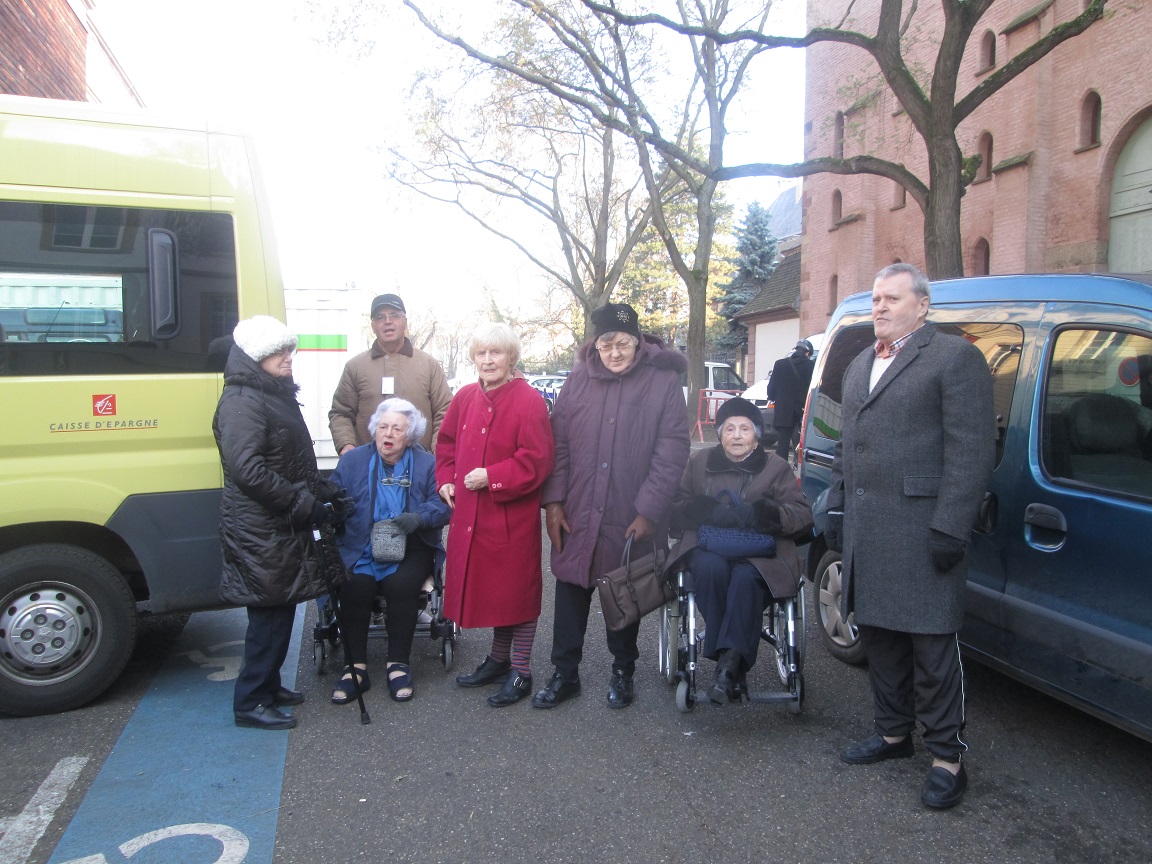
(755, 261)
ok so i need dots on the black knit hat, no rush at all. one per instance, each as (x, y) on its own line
(738, 407)
(615, 318)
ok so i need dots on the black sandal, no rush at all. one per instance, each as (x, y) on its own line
(351, 686)
(401, 681)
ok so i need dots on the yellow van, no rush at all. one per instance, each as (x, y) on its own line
(129, 247)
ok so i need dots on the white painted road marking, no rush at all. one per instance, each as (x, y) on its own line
(24, 831)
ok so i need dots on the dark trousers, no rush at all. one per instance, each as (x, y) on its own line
(265, 647)
(784, 436)
(571, 623)
(401, 590)
(731, 597)
(917, 676)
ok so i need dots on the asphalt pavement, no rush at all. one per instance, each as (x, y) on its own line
(446, 778)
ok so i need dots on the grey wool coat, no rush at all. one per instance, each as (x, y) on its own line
(915, 455)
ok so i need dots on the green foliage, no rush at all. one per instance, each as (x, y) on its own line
(755, 260)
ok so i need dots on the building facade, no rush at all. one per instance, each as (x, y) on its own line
(1065, 182)
(54, 49)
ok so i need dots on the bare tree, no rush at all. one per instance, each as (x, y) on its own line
(525, 159)
(610, 88)
(935, 111)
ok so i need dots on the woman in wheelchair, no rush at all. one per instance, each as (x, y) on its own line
(737, 485)
(391, 477)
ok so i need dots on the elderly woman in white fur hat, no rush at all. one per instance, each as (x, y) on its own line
(273, 495)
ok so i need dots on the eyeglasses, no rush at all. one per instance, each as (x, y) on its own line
(388, 316)
(622, 346)
(396, 481)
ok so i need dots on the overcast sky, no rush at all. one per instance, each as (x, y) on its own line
(318, 115)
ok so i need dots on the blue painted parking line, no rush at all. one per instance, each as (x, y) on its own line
(183, 783)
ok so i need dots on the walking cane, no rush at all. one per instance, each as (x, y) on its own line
(318, 541)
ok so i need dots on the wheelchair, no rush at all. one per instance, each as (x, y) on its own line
(431, 620)
(784, 630)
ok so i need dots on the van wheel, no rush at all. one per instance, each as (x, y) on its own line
(840, 637)
(67, 628)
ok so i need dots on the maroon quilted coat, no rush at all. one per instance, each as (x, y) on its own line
(492, 576)
(622, 442)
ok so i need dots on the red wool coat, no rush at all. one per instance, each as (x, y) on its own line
(492, 575)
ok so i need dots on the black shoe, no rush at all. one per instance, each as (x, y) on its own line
(558, 690)
(724, 688)
(876, 749)
(726, 685)
(620, 693)
(943, 789)
(516, 687)
(285, 697)
(264, 717)
(488, 672)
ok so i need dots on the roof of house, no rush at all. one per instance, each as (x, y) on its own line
(781, 292)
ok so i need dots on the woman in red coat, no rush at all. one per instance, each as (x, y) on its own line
(494, 452)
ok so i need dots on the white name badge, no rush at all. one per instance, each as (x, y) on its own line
(387, 385)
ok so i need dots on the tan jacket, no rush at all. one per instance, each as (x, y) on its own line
(418, 376)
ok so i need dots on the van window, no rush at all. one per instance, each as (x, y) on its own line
(113, 290)
(724, 378)
(999, 343)
(1097, 420)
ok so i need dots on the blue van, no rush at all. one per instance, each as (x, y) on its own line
(1059, 580)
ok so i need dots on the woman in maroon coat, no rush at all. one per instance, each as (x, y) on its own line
(622, 443)
(493, 454)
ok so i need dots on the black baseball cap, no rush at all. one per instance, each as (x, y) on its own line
(391, 300)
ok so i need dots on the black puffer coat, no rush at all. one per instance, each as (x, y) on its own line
(270, 486)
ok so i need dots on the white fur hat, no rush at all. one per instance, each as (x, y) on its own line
(262, 336)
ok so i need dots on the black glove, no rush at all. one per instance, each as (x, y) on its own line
(946, 551)
(407, 522)
(724, 516)
(698, 510)
(329, 491)
(342, 507)
(766, 517)
(834, 530)
(321, 513)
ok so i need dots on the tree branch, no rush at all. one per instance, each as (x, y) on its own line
(1030, 55)
(828, 165)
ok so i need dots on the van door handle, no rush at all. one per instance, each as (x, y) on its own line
(1048, 518)
(1045, 528)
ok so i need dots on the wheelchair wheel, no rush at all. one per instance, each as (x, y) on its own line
(798, 690)
(685, 698)
(669, 641)
(789, 627)
(446, 653)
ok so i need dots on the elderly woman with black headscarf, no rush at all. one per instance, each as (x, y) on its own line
(738, 484)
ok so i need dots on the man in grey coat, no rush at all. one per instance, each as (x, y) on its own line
(914, 458)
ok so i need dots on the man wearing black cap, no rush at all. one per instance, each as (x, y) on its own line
(393, 366)
(788, 388)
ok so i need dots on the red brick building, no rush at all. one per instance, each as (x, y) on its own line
(54, 49)
(1066, 179)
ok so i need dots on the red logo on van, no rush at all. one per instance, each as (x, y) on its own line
(104, 405)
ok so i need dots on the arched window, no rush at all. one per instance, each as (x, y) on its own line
(984, 148)
(833, 294)
(838, 136)
(837, 206)
(899, 196)
(981, 258)
(987, 51)
(1091, 110)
